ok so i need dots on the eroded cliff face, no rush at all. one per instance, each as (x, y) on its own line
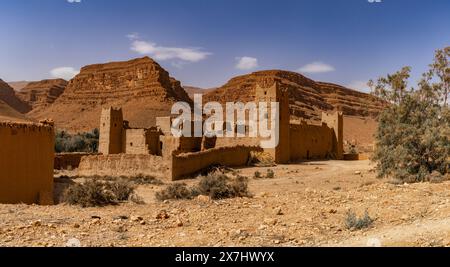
(8, 96)
(7, 113)
(308, 98)
(141, 87)
(43, 93)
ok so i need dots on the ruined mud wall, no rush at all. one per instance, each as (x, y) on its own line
(26, 163)
(69, 161)
(310, 141)
(135, 142)
(190, 163)
(235, 141)
(172, 144)
(123, 165)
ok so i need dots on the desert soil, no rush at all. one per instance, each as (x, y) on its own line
(304, 205)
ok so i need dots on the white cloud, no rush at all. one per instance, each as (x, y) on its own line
(66, 73)
(133, 36)
(167, 53)
(74, 1)
(246, 63)
(316, 67)
(359, 86)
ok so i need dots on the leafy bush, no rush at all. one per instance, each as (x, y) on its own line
(214, 185)
(145, 180)
(269, 175)
(176, 191)
(261, 159)
(414, 128)
(352, 222)
(93, 193)
(81, 142)
(220, 186)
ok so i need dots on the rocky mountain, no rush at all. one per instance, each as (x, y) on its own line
(7, 113)
(19, 85)
(140, 86)
(308, 98)
(42, 93)
(191, 90)
(9, 97)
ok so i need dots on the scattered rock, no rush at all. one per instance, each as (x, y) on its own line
(36, 223)
(162, 215)
(73, 242)
(374, 242)
(357, 172)
(136, 218)
(121, 217)
(203, 198)
(270, 221)
(278, 211)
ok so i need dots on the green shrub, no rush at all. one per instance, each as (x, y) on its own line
(270, 174)
(81, 142)
(214, 185)
(146, 180)
(176, 191)
(220, 186)
(352, 222)
(413, 136)
(94, 193)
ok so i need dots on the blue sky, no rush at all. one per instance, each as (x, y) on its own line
(206, 42)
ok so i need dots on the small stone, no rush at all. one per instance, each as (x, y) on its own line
(374, 242)
(270, 221)
(333, 211)
(203, 198)
(278, 211)
(136, 218)
(73, 242)
(162, 215)
(76, 225)
(357, 172)
(262, 227)
(36, 223)
(179, 223)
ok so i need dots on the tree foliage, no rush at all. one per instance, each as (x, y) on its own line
(414, 129)
(81, 142)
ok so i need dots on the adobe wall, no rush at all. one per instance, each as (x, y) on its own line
(123, 165)
(68, 161)
(310, 141)
(336, 122)
(26, 163)
(235, 141)
(190, 163)
(172, 144)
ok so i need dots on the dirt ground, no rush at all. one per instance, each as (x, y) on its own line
(304, 205)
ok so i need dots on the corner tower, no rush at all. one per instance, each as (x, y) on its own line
(336, 122)
(111, 131)
(270, 91)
